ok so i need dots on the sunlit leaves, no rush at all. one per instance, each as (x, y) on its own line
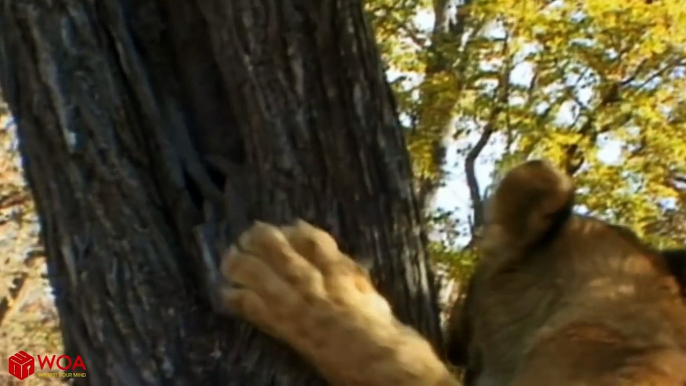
(596, 86)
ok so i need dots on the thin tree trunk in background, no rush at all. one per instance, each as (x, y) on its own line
(120, 105)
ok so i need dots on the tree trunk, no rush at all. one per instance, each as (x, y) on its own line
(150, 131)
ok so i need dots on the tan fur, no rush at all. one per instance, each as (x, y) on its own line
(562, 299)
(556, 299)
(298, 287)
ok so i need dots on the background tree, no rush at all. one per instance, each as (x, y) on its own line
(595, 86)
(151, 131)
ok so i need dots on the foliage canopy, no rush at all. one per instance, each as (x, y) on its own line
(595, 86)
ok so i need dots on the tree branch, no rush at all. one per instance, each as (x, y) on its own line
(489, 129)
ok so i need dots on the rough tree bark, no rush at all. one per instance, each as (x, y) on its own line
(152, 130)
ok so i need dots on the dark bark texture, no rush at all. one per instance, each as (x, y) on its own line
(153, 131)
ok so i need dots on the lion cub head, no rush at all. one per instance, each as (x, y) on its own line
(558, 298)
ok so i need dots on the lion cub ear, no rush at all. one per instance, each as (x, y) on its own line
(532, 198)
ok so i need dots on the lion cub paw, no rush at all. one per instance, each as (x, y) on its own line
(294, 283)
(291, 281)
